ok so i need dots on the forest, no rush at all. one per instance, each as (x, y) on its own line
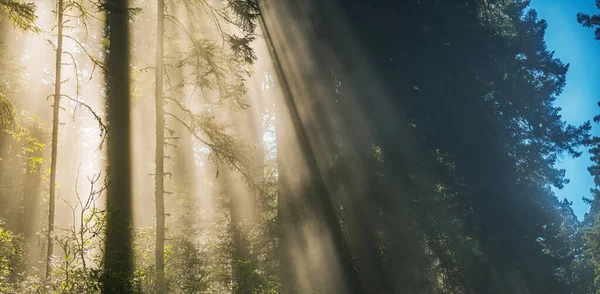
(290, 146)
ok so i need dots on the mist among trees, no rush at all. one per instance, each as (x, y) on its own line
(270, 146)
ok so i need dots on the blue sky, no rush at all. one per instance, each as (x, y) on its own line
(575, 45)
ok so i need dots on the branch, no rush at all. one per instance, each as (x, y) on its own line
(94, 60)
(77, 85)
(219, 153)
(103, 127)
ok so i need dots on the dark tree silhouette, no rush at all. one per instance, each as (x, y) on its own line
(118, 257)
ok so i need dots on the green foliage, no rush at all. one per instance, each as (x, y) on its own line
(8, 113)
(20, 14)
(224, 147)
(186, 269)
(11, 259)
(244, 14)
(592, 219)
(214, 69)
(30, 142)
(591, 21)
(13, 82)
(241, 47)
(214, 66)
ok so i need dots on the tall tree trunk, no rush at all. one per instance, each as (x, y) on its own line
(118, 261)
(160, 151)
(56, 108)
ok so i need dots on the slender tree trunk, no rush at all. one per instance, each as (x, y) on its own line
(160, 151)
(118, 261)
(55, 114)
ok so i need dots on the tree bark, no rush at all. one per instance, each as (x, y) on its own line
(55, 113)
(160, 151)
(118, 261)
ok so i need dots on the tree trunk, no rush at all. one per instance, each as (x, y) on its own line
(160, 151)
(55, 113)
(118, 261)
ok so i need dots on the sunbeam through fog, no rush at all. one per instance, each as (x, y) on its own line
(298, 146)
